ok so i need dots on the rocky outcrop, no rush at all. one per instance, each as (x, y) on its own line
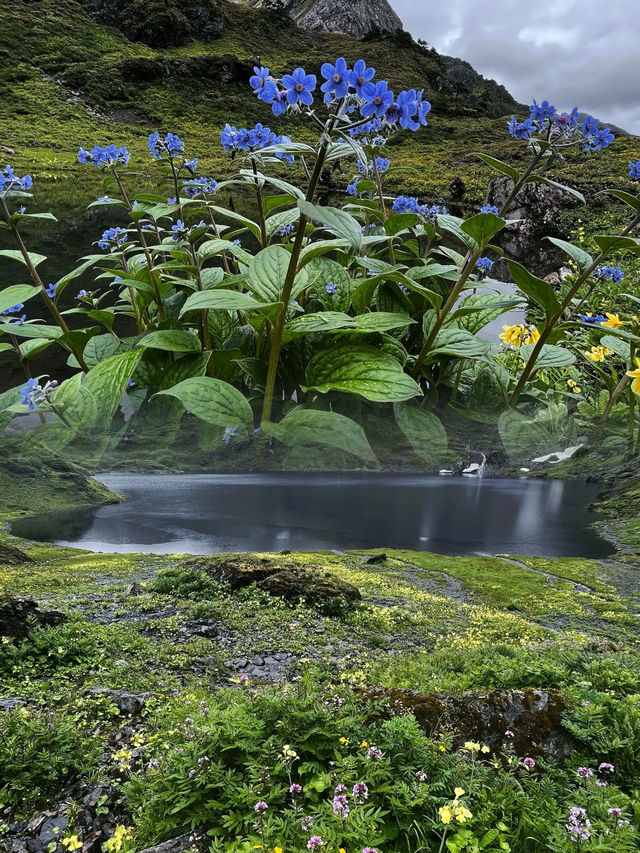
(354, 19)
(12, 556)
(532, 717)
(19, 616)
(282, 578)
(539, 207)
(129, 704)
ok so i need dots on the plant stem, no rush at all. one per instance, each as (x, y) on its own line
(263, 224)
(595, 435)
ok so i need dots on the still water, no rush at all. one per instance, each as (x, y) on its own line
(210, 513)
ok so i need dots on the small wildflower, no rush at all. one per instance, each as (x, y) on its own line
(529, 763)
(314, 842)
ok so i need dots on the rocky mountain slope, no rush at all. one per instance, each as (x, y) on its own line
(355, 19)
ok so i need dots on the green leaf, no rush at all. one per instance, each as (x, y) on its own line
(499, 166)
(478, 309)
(308, 427)
(360, 369)
(11, 296)
(279, 220)
(214, 401)
(27, 330)
(16, 255)
(632, 200)
(107, 382)
(454, 341)
(172, 340)
(582, 258)
(482, 227)
(382, 321)
(268, 272)
(400, 222)
(453, 225)
(211, 277)
(535, 288)
(550, 356)
(237, 217)
(609, 244)
(5, 347)
(213, 248)
(618, 345)
(322, 321)
(99, 348)
(424, 432)
(338, 221)
(222, 300)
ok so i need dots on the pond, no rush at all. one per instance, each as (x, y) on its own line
(211, 513)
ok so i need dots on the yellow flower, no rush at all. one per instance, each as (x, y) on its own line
(71, 843)
(485, 748)
(515, 336)
(472, 746)
(277, 850)
(635, 375)
(612, 321)
(462, 814)
(442, 748)
(342, 850)
(364, 744)
(446, 814)
(577, 389)
(345, 741)
(571, 383)
(458, 792)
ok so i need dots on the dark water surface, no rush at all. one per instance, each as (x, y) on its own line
(210, 513)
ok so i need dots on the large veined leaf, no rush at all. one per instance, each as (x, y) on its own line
(99, 348)
(424, 432)
(582, 258)
(333, 219)
(28, 330)
(478, 309)
(171, 340)
(12, 296)
(16, 255)
(482, 227)
(382, 321)
(268, 272)
(535, 288)
(212, 277)
(499, 166)
(619, 346)
(452, 340)
(48, 438)
(322, 321)
(237, 217)
(611, 243)
(222, 300)
(280, 220)
(308, 427)
(213, 401)
(107, 383)
(360, 369)
(213, 248)
(323, 272)
(453, 225)
(77, 403)
(550, 356)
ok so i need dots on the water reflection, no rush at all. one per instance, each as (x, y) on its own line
(204, 514)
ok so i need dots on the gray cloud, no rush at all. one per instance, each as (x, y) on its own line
(572, 52)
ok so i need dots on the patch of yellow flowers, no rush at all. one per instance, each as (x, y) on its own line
(518, 335)
(598, 353)
(120, 836)
(635, 375)
(573, 385)
(455, 810)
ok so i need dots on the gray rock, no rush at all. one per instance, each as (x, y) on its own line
(354, 19)
(130, 704)
(11, 703)
(175, 845)
(18, 616)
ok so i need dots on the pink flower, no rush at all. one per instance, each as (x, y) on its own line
(584, 773)
(295, 789)
(529, 763)
(314, 842)
(261, 807)
(360, 792)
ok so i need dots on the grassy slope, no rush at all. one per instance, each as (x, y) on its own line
(54, 49)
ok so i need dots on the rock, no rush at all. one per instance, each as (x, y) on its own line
(4, 149)
(12, 702)
(534, 716)
(277, 577)
(128, 703)
(375, 558)
(355, 19)
(9, 554)
(19, 615)
(539, 207)
(175, 845)
(134, 589)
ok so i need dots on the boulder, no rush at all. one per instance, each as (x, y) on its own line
(12, 556)
(128, 703)
(18, 616)
(534, 717)
(175, 845)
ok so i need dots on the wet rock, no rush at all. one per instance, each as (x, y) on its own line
(12, 702)
(175, 845)
(18, 616)
(9, 554)
(128, 703)
(375, 558)
(534, 717)
(134, 589)
(283, 579)
(4, 149)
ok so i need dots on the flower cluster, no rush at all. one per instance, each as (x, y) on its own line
(634, 171)
(613, 274)
(15, 309)
(181, 231)
(380, 164)
(107, 155)
(490, 208)
(10, 181)
(32, 394)
(354, 86)
(579, 825)
(171, 146)
(545, 120)
(112, 239)
(258, 137)
(598, 353)
(455, 810)
(518, 335)
(484, 265)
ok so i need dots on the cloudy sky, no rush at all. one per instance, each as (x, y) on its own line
(571, 52)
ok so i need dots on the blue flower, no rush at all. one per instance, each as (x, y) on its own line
(50, 290)
(279, 103)
(112, 238)
(179, 230)
(19, 321)
(352, 189)
(82, 294)
(331, 288)
(286, 229)
(432, 212)
(107, 155)
(406, 204)
(424, 107)
(171, 146)
(283, 155)
(522, 130)
(596, 138)
(237, 243)
(28, 392)
(634, 171)
(360, 76)
(592, 320)
(408, 107)
(378, 98)
(298, 87)
(613, 274)
(490, 208)
(10, 181)
(198, 186)
(228, 432)
(338, 79)
(484, 265)
(263, 84)
(567, 121)
(13, 310)
(542, 112)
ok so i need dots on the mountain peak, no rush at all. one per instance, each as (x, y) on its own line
(355, 19)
